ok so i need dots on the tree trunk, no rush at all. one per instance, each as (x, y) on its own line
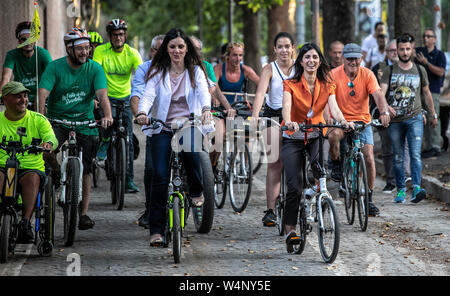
(252, 41)
(338, 22)
(279, 21)
(407, 18)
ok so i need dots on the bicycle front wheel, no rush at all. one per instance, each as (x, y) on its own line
(328, 230)
(70, 207)
(240, 181)
(176, 229)
(4, 237)
(120, 173)
(49, 215)
(279, 208)
(362, 193)
(258, 153)
(220, 180)
(349, 201)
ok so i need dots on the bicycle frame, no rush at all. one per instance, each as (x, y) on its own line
(175, 189)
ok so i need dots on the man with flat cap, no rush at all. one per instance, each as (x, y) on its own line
(31, 170)
(353, 86)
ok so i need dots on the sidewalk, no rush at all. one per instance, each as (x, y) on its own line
(435, 172)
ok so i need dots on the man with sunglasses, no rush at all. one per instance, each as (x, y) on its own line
(434, 62)
(21, 63)
(406, 84)
(354, 84)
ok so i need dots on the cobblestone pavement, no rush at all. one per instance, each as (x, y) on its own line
(407, 239)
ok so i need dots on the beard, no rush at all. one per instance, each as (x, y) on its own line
(404, 60)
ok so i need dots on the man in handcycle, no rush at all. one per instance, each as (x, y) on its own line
(31, 174)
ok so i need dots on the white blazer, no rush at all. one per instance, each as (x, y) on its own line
(158, 93)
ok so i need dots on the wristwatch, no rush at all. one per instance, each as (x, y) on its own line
(386, 113)
(435, 116)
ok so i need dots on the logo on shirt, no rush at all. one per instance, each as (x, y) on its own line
(73, 97)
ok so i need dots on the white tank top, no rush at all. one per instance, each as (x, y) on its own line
(275, 97)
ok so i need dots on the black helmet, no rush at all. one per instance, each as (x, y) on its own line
(116, 24)
(22, 26)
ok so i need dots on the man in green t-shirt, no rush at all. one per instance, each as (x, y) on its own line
(21, 63)
(69, 84)
(119, 60)
(31, 169)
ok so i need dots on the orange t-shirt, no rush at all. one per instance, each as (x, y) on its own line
(302, 100)
(354, 108)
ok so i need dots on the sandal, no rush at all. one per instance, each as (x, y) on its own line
(156, 240)
(197, 202)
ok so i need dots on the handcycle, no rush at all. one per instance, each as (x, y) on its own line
(233, 172)
(318, 208)
(11, 201)
(178, 201)
(355, 189)
(71, 177)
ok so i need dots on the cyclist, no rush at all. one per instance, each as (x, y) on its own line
(176, 87)
(304, 99)
(272, 78)
(232, 73)
(137, 91)
(96, 40)
(21, 63)
(353, 86)
(70, 84)
(31, 171)
(118, 60)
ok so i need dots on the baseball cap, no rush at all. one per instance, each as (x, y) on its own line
(352, 50)
(13, 87)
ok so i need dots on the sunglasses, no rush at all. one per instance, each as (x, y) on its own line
(351, 85)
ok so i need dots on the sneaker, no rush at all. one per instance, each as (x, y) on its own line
(373, 210)
(388, 188)
(400, 196)
(26, 235)
(336, 172)
(269, 219)
(143, 220)
(85, 223)
(431, 153)
(102, 150)
(131, 187)
(418, 194)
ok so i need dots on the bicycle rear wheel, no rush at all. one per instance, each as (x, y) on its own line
(204, 216)
(95, 173)
(49, 218)
(240, 182)
(279, 208)
(120, 173)
(362, 193)
(220, 181)
(349, 201)
(176, 229)
(110, 169)
(5, 236)
(328, 230)
(70, 207)
(301, 229)
(258, 153)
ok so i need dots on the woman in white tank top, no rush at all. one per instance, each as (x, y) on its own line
(272, 78)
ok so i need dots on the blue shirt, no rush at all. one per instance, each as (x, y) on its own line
(138, 85)
(436, 58)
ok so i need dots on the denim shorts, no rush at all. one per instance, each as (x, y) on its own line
(367, 135)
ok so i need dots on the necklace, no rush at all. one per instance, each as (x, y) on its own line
(177, 73)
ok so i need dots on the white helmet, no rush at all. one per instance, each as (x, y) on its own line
(76, 34)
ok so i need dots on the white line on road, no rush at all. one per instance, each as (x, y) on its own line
(14, 268)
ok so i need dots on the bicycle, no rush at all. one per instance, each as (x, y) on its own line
(319, 208)
(233, 173)
(11, 204)
(116, 162)
(355, 189)
(178, 206)
(71, 177)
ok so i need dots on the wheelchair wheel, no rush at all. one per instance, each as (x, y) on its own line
(49, 218)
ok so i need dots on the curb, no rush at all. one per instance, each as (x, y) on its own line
(433, 186)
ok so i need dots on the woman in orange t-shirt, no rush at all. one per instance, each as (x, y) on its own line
(304, 99)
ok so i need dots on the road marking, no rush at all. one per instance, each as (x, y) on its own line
(14, 268)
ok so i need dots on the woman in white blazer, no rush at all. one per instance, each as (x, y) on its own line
(176, 86)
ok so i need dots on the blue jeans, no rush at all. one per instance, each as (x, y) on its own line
(160, 153)
(148, 172)
(412, 130)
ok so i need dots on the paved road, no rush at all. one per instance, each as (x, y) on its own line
(408, 239)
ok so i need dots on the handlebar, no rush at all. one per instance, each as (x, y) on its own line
(174, 126)
(14, 147)
(88, 123)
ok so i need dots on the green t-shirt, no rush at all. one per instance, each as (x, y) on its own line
(72, 91)
(37, 126)
(118, 68)
(24, 69)
(210, 71)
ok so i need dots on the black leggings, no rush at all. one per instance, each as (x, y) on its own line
(292, 156)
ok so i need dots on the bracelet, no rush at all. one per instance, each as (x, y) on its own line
(206, 108)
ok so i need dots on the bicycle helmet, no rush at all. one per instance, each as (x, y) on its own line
(74, 35)
(116, 24)
(22, 26)
(95, 37)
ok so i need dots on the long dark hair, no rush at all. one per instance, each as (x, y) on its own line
(161, 61)
(323, 70)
